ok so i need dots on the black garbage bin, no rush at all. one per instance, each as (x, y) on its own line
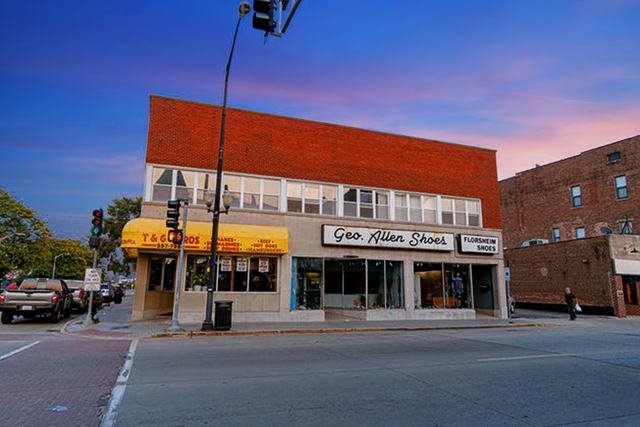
(222, 318)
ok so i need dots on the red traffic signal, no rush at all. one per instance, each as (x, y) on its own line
(96, 221)
(175, 236)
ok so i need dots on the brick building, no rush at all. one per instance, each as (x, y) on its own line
(580, 212)
(326, 219)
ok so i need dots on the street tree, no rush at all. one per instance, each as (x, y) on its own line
(21, 235)
(71, 257)
(119, 212)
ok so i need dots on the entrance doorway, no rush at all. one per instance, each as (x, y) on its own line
(482, 286)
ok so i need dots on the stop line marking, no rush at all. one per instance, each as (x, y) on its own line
(538, 356)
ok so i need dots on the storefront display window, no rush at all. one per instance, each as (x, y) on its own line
(457, 286)
(384, 285)
(241, 274)
(197, 277)
(307, 287)
(428, 285)
(262, 274)
(162, 273)
(355, 286)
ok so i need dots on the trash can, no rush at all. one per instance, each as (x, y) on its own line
(222, 319)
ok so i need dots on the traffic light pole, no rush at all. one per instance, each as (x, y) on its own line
(175, 326)
(207, 325)
(95, 262)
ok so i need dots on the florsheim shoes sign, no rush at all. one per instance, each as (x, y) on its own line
(385, 238)
(478, 244)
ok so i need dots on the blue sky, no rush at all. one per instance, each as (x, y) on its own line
(536, 80)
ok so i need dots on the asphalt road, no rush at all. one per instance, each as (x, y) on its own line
(585, 374)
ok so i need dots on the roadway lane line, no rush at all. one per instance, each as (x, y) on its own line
(119, 388)
(539, 356)
(23, 348)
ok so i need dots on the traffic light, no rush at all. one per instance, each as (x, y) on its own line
(263, 16)
(175, 236)
(96, 221)
(173, 214)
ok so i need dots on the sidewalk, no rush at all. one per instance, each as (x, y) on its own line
(115, 323)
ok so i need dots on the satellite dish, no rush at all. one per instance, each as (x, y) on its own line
(606, 230)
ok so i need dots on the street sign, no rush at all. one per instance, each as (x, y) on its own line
(92, 279)
(507, 273)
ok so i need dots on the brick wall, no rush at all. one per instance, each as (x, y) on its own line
(538, 200)
(185, 133)
(540, 274)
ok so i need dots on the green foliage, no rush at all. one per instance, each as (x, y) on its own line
(119, 212)
(22, 234)
(70, 266)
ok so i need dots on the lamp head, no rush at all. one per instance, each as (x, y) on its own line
(243, 9)
(209, 197)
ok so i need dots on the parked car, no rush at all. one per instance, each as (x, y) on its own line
(36, 297)
(77, 287)
(107, 292)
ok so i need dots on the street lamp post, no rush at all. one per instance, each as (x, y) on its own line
(207, 325)
(55, 258)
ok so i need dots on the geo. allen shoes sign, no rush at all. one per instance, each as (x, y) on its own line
(384, 238)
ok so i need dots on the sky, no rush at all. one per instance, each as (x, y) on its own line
(536, 80)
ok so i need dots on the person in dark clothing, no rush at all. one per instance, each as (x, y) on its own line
(570, 298)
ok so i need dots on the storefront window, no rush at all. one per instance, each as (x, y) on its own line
(384, 284)
(428, 287)
(333, 284)
(262, 275)
(307, 273)
(241, 274)
(457, 285)
(197, 275)
(355, 285)
(162, 273)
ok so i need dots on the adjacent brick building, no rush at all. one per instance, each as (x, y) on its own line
(326, 219)
(575, 211)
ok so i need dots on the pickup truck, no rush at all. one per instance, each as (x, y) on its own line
(35, 297)
(77, 289)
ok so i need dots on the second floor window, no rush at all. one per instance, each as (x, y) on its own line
(576, 197)
(580, 233)
(556, 234)
(621, 188)
(626, 227)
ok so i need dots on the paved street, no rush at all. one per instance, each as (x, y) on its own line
(481, 373)
(585, 373)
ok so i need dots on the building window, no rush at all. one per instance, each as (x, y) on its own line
(626, 227)
(576, 197)
(429, 290)
(307, 284)
(401, 207)
(580, 233)
(630, 289)
(242, 274)
(197, 275)
(206, 181)
(384, 284)
(162, 181)
(614, 157)
(311, 198)
(360, 203)
(429, 209)
(162, 273)
(621, 188)
(556, 234)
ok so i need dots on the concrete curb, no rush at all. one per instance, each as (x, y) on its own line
(194, 334)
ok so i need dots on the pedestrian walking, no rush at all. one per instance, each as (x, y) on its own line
(571, 300)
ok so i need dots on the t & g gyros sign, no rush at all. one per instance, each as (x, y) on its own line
(384, 238)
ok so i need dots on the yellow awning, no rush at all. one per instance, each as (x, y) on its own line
(143, 234)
